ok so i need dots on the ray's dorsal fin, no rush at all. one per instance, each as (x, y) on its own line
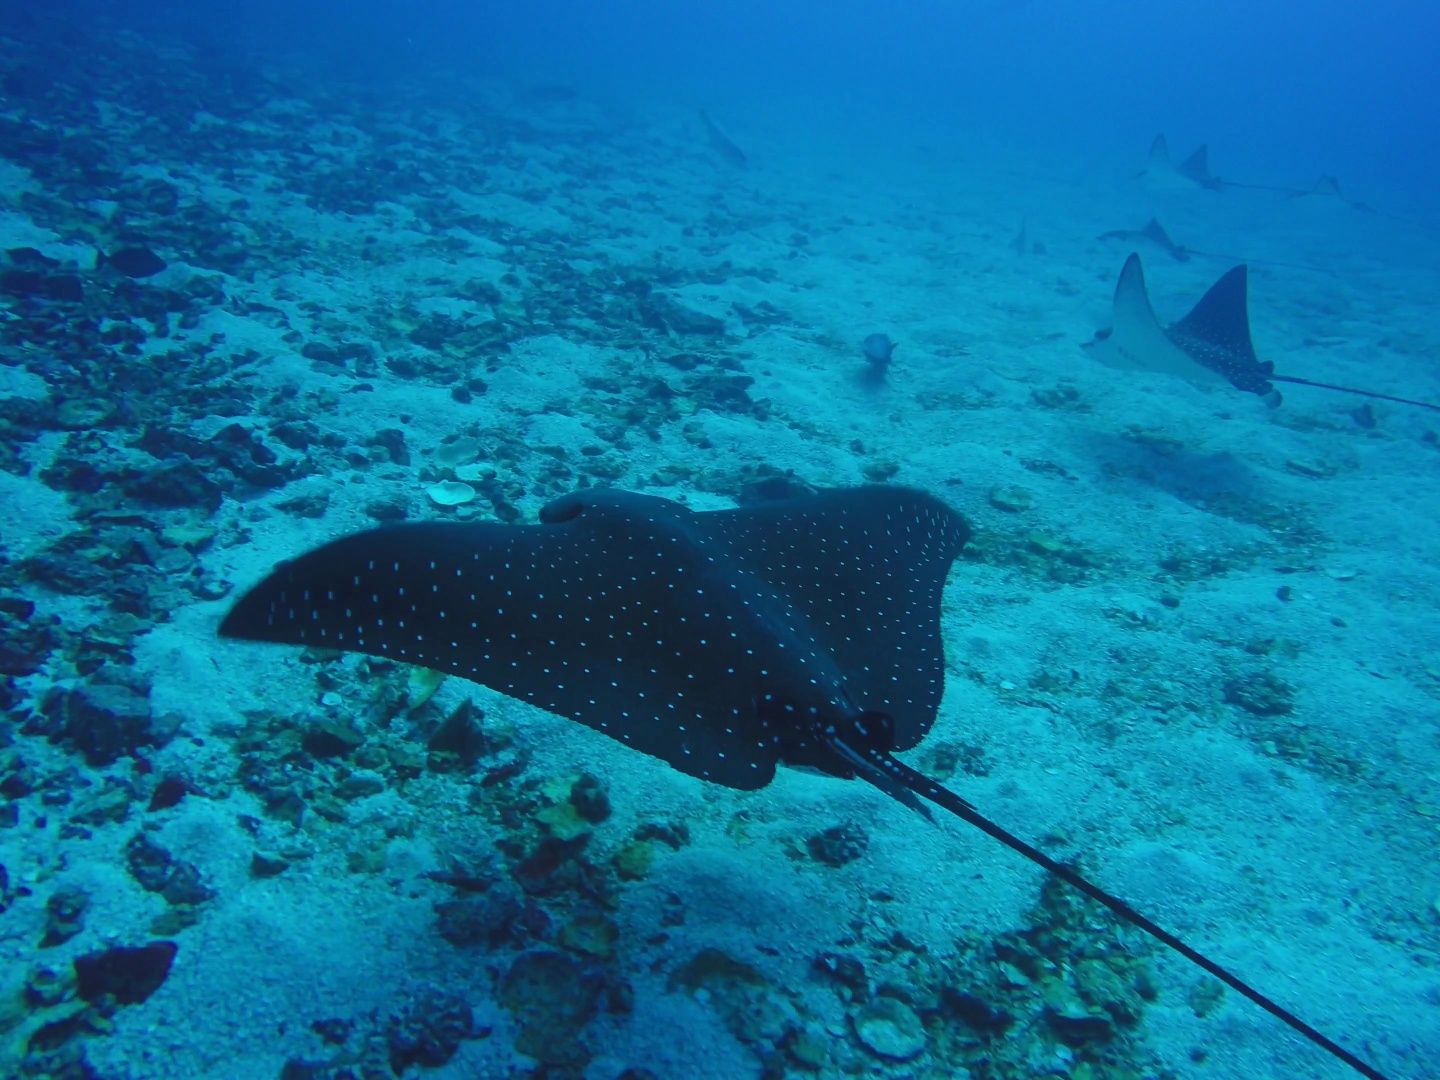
(863, 738)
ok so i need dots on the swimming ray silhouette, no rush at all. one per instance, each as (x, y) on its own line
(804, 631)
(1209, 346)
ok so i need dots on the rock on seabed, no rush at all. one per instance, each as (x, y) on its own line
(889, 1029)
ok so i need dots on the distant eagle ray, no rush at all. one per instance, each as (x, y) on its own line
(804, 631)
(1210, 346)
(1195, 169)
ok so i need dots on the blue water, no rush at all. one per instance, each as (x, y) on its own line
(273, 274)
(1294, 89)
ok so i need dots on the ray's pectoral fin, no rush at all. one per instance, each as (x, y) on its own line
(863, 742)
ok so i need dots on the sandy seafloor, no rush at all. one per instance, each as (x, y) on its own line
(1141, 545)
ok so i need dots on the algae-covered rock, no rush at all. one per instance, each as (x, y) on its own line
(633, 861)
(711, 966)
(265, 864)
(460, 734)
(562, 821)
(360, 784)
(1205, 996)
(64, 915)
(889, 1028)
(1112, 988)
(809, 1047)
(1072, 1018)
(107, 719)
(491, 919)
(838, 845)
(674, 834)
(588, 797)
(552, 996)
(1262, 693)
(752, 1009)
(47, 986)
(1011, 498)
(429, 1031)
(126, 975)
(332, 735)
(592, 934)
(845, 972)
(420, 686)
(553, 865)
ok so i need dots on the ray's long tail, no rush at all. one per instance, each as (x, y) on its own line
(922, 785)
(1355, 390)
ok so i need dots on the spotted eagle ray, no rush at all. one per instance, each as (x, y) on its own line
(1327, 187)
(1195, 168)
(1153, 233)
(804, 631)
(1210, 346)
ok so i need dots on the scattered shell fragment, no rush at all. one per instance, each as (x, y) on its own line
(450, 493)
(459, 452)
(421, 685)
(1011, 498)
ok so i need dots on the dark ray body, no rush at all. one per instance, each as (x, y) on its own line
(805, 630)
(649, 622)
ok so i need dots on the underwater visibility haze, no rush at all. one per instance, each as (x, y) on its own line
(719, 540)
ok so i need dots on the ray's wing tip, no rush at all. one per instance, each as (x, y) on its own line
(248, 618)
(239, 622)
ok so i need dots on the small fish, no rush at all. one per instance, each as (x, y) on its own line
(878, 349)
